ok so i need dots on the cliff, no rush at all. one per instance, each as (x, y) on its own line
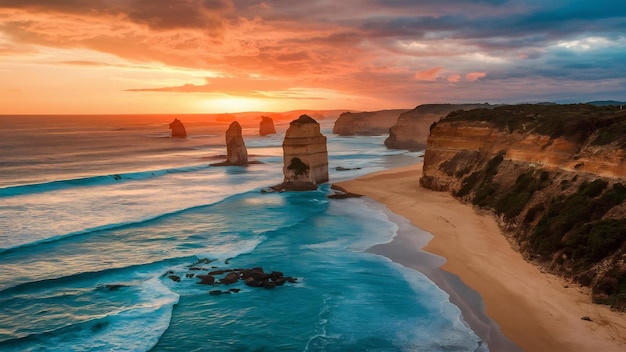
(266, 126)
(236, 152)
(554, 175)
(412, 127)
(369, 123)
(305, 155)
(178, 129)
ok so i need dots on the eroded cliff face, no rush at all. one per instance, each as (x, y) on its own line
(555, 176)
(413, 127)
(305, 155)
(369, 123)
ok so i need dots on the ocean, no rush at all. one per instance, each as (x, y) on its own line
(105, 221)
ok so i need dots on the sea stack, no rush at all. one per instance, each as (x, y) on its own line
(266, 126)
(305, 156)
(236, 152)
(178, 129)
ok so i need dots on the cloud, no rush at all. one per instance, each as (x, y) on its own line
(428, 75)
(475, 76)
(383, 49)
(179, 14)
(454, 78)
(239, 86)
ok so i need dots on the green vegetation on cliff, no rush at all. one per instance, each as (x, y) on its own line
(575, 122)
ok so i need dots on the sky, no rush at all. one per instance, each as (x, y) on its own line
(217, 56)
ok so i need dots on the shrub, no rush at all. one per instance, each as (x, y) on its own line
(578, 219)
(597, 240)
(480, 180)
(532, 213)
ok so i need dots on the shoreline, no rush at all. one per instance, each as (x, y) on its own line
(537, 311)
(407, 249)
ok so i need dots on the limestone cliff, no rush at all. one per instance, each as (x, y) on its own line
(554, 175)
(305, 155)
(369, 123)
(178, 129)
(412, 128)
(236, 152)
(266, 126)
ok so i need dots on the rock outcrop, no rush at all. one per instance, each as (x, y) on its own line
(266, 126)
(413, 127)
(178, 129)
(554, 175)
(369, 123)
(236, 152)
(253, 277)
(305, 156)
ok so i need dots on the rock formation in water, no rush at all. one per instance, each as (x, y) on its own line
(369, 123)
(178, 129)
(266, 126)
(236, 152)
(305, 156)
(413, 127)
(554, 175)
(215, 277)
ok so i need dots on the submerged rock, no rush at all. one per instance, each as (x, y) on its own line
(236, 152)
(266, 126)
(305, 156)
(342, 193)
(178, 129)
(114, 287)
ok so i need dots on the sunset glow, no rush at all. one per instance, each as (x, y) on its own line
(215, 56)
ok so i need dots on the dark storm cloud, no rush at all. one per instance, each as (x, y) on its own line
(157, 14)
(171, 14)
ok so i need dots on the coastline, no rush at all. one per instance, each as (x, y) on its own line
(537, 311)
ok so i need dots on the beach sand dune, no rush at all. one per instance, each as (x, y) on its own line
(536, 310)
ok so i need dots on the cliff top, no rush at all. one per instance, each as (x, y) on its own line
(234, 126)
(377, 112)
(302, 120)
(579, 123)
(176, 122)
(446, 108)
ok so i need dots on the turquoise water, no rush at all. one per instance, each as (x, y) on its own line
(92, 231)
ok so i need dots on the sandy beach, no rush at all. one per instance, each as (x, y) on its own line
(536, 310)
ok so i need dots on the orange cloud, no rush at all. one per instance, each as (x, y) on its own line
(428, 75)
(454, 78)
(475, 76)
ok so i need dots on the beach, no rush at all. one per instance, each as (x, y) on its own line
(534, 309)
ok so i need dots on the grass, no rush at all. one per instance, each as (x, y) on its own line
(579, 123)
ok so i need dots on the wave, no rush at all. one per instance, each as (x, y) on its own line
(109, 331)
(100, 180)
(95, 276)
(117, 226)
(107, 227)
